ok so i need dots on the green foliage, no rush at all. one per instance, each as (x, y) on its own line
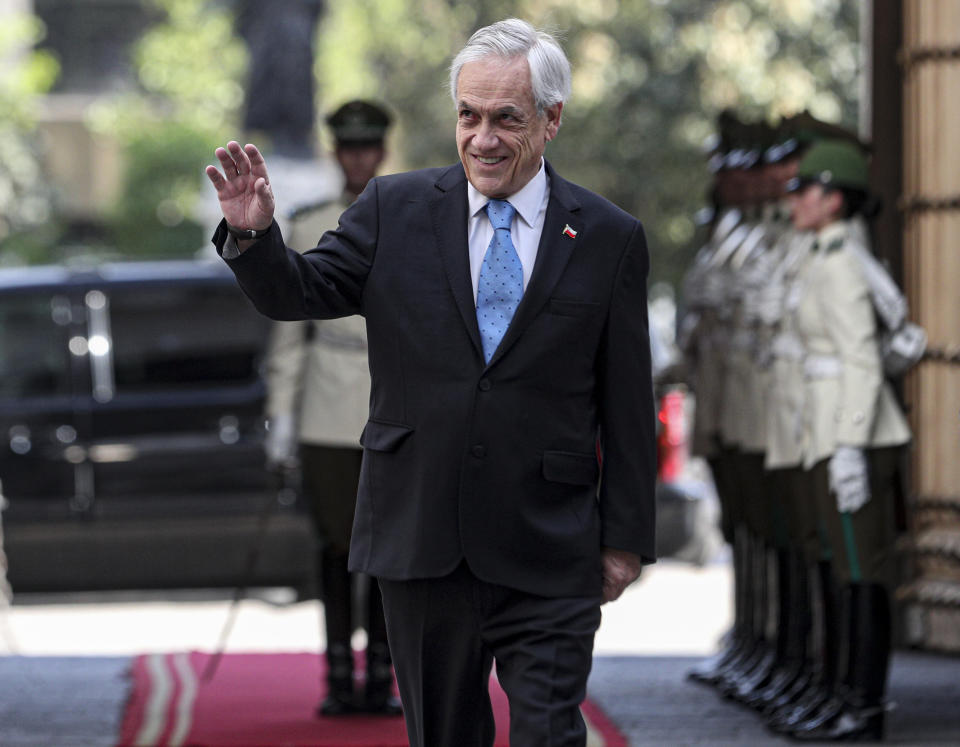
(25, 199)
(160, 188)
(189, 67)
(650, 76)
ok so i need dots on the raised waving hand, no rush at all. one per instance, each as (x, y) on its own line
(244, 187)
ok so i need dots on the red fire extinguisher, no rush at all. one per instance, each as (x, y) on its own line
(672, 439)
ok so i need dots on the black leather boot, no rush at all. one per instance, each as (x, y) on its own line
(335, 592)
(775, 631)
(819, 692)
(792, 631)
(861, 715)
(803, 645)
(378, 691)
(759, 654)
(340, 700)
(736, 641)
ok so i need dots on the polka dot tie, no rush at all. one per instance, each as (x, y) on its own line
(501, 279)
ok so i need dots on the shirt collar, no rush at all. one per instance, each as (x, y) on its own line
(832, 232)
(527, 201)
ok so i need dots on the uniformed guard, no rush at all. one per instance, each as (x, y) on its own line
(737, 413)
(781, 355)
(702, 339)
(851, 430)
(318, 398)
(753, 265)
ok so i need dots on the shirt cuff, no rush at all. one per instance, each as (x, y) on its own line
(230, 248)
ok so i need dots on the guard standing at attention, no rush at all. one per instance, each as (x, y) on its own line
(318, 400)
(852, 431)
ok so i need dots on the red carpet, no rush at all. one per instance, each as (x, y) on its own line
(268, 700)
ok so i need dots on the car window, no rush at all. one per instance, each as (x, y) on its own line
(34, 358)
(183, 336)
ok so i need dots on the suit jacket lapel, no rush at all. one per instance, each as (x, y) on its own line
(449, 212)
(553, 253)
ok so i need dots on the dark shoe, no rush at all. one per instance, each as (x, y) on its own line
(787, 699)
(340, 699)
(707, 670)
(712, 670)
(381, 702)
(824, 714)
(850, 724)
(860, 716)
(807, 706)
(749, 687)
(378, 694)
(339, 702)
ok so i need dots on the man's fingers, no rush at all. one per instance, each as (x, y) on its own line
(612, 590)
(620, 569)
(264, 197)
(613, 584)
(227, 162)
(240, 159)
(243, 187)
(257, 163)
(216, 177)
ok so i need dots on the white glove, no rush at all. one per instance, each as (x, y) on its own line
(848, 478)
(280, 442)
(769, 302)
(713, 291)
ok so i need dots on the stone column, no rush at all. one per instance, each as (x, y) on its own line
(930, 201)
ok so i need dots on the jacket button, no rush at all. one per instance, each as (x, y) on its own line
(479, 451)
(485, 385)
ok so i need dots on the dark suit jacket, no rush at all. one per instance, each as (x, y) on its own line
(494, 463)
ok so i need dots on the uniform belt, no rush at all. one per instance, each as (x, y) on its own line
(720, 338)
(822, 367)
(787, 347)
(741, 340)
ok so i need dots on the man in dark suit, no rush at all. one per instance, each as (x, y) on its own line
(507, 333)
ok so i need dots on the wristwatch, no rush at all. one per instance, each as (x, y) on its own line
(246, 233)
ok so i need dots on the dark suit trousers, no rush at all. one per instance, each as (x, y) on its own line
(445, 633)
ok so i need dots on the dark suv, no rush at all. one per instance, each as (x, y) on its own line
(131, 413)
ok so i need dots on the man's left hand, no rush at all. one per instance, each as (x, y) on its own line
(620, 569)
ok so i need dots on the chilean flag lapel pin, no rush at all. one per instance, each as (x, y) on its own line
(567, 231)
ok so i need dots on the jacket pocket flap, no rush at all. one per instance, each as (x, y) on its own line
(379, 436)
(570, 467)
(564, 307)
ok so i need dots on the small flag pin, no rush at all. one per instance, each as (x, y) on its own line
(567, 231)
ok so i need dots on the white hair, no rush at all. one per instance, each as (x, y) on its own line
(549, 67)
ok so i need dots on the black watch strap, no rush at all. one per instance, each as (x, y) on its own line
(246, 233)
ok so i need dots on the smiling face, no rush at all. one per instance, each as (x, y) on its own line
(500, 136)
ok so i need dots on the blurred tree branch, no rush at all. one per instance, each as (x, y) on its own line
(650, 77)
(26, 202)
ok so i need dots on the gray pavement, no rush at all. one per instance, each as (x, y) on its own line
(650, 700)
(62, 701)
(67, 686)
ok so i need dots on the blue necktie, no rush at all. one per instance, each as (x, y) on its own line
(500, 284)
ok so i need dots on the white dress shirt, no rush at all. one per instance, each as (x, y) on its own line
(525, 229)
